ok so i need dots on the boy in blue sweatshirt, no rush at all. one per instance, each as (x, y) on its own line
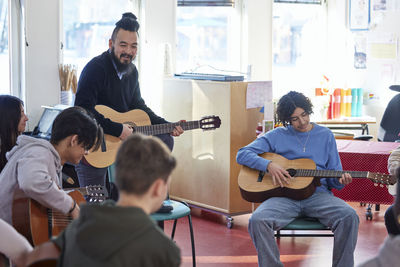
(299, 138)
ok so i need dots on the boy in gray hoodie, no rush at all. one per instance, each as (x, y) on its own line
(34, 165)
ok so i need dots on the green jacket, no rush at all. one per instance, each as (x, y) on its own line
(109, 235)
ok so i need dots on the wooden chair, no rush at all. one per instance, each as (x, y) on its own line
(305, 224)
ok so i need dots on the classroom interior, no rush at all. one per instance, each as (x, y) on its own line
(312, 46)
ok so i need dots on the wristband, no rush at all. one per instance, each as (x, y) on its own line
(73, 207)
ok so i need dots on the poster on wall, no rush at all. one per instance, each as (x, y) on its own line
(383, 46)
(360, 51)
(359, 15)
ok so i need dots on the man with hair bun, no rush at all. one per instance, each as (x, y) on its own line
(111, 79)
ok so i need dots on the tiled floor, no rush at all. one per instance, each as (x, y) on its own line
(216, 245)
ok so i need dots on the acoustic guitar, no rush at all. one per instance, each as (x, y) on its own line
(140, 122)
(38, 223)
(257, 186)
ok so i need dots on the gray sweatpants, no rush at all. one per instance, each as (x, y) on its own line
(277, 212)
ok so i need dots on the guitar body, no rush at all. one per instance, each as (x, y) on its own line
(299, 188)
(34, 221)
(102, 159)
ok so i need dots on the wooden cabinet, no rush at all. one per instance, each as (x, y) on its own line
(206, 174)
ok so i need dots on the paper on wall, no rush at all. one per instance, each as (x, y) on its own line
(258, 93)
(269, 111)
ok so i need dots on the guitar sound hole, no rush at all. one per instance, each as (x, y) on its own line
(292, 172)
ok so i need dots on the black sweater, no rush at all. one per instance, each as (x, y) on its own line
(99, 84)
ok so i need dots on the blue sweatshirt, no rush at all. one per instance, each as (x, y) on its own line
(319, 143)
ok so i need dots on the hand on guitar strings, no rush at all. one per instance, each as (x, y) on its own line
(345, 179)
(127, 130)
(178, 129)
(278, 174)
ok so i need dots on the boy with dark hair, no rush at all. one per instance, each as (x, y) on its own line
(299, 138)
(34, 165)
(122, 233)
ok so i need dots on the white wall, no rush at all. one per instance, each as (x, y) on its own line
(341, 57)
(41, 56)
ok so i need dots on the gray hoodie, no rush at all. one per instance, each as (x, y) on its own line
(33, 170)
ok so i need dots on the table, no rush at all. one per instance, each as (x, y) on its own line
(365, 156)
(343, 124)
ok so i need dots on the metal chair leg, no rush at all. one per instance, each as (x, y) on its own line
(173, 229)
(192, 239)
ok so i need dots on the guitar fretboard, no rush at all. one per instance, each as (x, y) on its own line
(329, 173)
(166, 127)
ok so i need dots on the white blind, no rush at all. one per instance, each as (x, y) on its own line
(206, 3)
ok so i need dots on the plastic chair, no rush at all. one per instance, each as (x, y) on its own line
(180, 210)
(307, 224)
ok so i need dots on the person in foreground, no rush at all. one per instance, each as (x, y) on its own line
(13, 245)
(111, 79)
(393, 164)
(122, 233)
(389, 253)
(12, 124)
(34, 165)
(299, 138)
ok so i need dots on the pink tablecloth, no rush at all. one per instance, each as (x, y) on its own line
(365, 156)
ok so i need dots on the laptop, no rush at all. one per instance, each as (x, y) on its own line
(43, 129)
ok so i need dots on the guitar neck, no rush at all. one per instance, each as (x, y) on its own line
(166, 127)
(329, 173)
(94, 193)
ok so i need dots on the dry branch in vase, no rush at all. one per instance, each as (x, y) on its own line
(68, 78)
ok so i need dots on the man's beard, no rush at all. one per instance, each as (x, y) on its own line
(121, 67)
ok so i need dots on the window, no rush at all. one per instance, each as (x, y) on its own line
(299, 42)
(207, 39)
(4, 52)
(88, 26)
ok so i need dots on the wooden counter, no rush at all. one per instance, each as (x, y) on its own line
(206, 174)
